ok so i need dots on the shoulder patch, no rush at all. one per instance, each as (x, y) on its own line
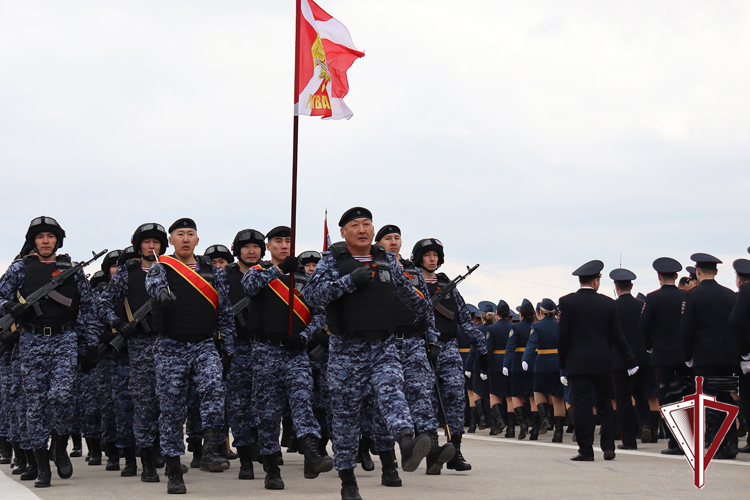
(510, 334)
(644, 307)
(683, 308)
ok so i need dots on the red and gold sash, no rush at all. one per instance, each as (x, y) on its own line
(195, 279)
(282, 290)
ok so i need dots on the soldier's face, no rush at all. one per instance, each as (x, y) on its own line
(45, 243)
(430, 260)
(310, 267)
(220, 262)
(250, 252)
(279, 248)
(112, 269)
(150, 245)
(184, 242)
(391, 242)
(358, 233)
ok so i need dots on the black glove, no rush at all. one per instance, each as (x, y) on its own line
(484, 362)
(289, 265)
(421, 325)
(166, 298)
(294, 342)
(106, 337)
(226, 363)
(88, 361)
(16, 309)
(432, 353)
(361, 276)
(323, 337)
(127, 330)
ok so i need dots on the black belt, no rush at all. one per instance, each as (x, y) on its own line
(278, 342)
(446, 338)
(193, 339)
(408, 335)
(366, 334)
(47, 331)
(245, 341)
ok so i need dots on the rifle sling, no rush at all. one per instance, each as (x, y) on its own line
(444, 311)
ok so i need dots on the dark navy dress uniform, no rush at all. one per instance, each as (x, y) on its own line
(497, 340)
(543, 340)
(522, 382)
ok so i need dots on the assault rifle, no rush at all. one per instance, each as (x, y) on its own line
(118, 343)
(8, 334)
(439, 295)
(239, 308)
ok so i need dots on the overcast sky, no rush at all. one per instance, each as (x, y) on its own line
(529, 136)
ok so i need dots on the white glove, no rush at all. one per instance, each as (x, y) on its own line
(689, 363)
(746, 357)
(505, 371)
(632, 371)
(745, 365)
(525, 366)
(483, 376)
(564, 381)
(468, 374)
(650, 351)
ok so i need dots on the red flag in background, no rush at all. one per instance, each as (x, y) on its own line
(325, 53)
(326, 236)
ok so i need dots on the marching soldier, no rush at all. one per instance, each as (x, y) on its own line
(192, 314)
(740, 319)
(522, 381)
(220, 256)
(500, 384)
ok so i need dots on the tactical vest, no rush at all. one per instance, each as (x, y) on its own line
(448, 328)
(300, 280)
(369, 311)
(37, 275)
(274, 313)
(137, 295)
(191, 318)
(404, 317)
(251, 314)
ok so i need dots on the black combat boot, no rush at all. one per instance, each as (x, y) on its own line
(534, 425)
(148, 474)
(62, 460)
(20, 461)
(510, 431)
(458, 462)
(158, 457)
(315, 463)
(363, 454)
(246, 462)
(293, 445)
(273, 479)
(95, 450)
(113, 456)
(131, 465)
(473, 420)
(558, 435)
(413, 450)
(44, 474)
(212, 461)
(482, 420)
(523, 427)
(656, 432)
(176, 485)
(287, 432)
(77, 450)
(498, 422)
(226, 451)
(323, 446)
(31, 471)
(6, 451)
(389, 477)
(349, 488)
(197, 449)
(545, 424)
(438, 455)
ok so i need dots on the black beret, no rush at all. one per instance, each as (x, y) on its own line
(591, 268)
(742, 266)
(667, 265)
(621, 274)
(548, 305)
(182, 224)
(526, 305)
(502, 307)
(279, 232)
(386, 230)
(705, 261)
(354, 213)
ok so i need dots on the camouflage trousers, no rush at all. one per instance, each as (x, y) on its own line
(450, 378)
(352, 364)
(321, 395)
(88, 412)
(5, 397)
(17, 431)
(142, 386)
(113, 376)
(48, 371)
(279, 375)
(239, 385)
(179, 366)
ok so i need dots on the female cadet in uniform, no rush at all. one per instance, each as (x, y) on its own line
(547, 385)
(500, 384)
(522, 382)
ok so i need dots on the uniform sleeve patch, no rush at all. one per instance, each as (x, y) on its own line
(683, 307)
(510, 334)
(644, 307)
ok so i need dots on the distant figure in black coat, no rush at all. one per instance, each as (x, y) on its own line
(588, 327)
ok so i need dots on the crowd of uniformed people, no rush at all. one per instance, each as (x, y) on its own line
(157, 350)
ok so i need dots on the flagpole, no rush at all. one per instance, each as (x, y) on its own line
(295, 136)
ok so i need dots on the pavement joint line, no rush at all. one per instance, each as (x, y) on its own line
(13, 490)
(573, 447)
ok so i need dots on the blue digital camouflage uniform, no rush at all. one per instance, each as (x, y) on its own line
(281, 374)
(88, 411)
(352, 363)
(115, 400)
(183, 364)
(239, 386)
(5, 398)
(17, 416)
(141, 380)
(48, 363)
(449, 368)
(322, 394)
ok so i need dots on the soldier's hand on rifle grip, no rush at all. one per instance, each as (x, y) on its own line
(18, 311)
(166, 298)
(361, 276)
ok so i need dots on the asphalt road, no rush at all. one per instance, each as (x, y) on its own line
(502, 469)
